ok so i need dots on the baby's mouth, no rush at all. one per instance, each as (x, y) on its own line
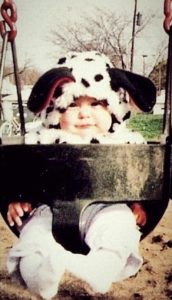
(84, 126)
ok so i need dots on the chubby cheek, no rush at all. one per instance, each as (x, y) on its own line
(68, 120)
(103, 120)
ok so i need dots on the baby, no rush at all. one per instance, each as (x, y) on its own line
(84, 100)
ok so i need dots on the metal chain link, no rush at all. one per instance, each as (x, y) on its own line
(8, 32)
(9, 14)
(168, 15)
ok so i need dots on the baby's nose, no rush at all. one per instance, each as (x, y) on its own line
(84, 111)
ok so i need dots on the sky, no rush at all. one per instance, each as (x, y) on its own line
(36, 18)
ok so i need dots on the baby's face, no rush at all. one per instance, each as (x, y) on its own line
(86, 116)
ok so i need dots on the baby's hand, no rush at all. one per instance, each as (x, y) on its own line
(16, 210)
(140, 214)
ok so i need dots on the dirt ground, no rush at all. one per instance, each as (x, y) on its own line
(153, 282)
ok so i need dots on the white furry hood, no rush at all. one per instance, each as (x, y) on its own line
(89, 74)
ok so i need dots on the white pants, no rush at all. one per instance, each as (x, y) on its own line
(112, 236)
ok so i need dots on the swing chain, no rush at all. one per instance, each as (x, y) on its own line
(9, 14)
(168, 15)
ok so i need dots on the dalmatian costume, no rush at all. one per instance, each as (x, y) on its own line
(91, 74)
(110, 231)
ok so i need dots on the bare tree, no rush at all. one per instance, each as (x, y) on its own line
(9, 69)
(161, 53)
(28, 74)
(103, 31)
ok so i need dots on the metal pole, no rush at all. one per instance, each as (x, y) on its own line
(159, 79)
(9, 13)
(18, 88)
(167, 122)
(3, 56)
(144, 64)
(133, 36)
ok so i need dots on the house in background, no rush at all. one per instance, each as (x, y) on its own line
(9, 99)
(159, 106)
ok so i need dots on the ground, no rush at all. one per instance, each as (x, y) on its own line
(153, 282)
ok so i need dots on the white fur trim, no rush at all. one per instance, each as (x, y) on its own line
(51, 136)
(51, 118)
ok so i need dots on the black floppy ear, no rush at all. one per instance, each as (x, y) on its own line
(48, 87)
(141, 89)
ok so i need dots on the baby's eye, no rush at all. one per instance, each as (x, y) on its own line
(95, 103)
(73, 104)
(100, 102)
